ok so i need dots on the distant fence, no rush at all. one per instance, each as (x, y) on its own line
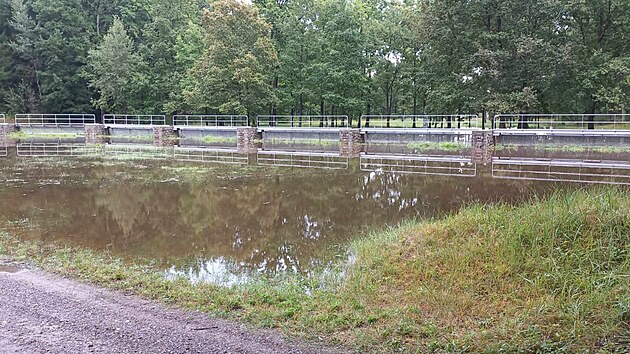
(133, 119)
(561, 121)
(425, 121)
(210, 121)
(2, 119)
(54, 120)
(324, 121)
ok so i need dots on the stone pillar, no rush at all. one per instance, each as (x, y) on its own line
(96, 134)
(5, 131)
(482, 146)
(351, 142)
(248, 140)
(164, 135)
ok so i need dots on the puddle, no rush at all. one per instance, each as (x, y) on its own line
(213, 216)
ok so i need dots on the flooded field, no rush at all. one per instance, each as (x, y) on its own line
(217, 216)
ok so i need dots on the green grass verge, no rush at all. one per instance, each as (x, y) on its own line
(23, 135)
(568, 148)
(444, 146)
(548, 276)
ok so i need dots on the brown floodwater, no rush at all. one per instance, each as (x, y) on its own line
(222, 223)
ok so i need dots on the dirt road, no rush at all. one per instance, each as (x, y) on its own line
(43, 313)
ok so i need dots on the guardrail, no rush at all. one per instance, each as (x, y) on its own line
(580, 122)
(422, 165)
(560, 170)
(424, 121)
(325, 121)
(54, 120)
(133, 119)
(210, 121)
(3, 118)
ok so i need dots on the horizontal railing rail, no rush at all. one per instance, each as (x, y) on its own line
(298, 121)
(614, 122)
(424, 121)
(210, 121)
(54, 120)
(134, 119)
(3, 118)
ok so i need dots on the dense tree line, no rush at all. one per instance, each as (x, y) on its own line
(314, 56)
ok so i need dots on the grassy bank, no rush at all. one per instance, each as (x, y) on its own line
(549, 276)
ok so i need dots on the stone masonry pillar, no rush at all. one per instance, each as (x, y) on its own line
(5, 130)
(96, 134)
(351, 142)
(164, 135)
(482, 146)
(248, 140)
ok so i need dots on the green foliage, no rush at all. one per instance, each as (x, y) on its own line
(320, 56)
(113, 70)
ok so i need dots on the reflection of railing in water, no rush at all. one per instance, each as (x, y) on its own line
(224, 156)
(56, 150)
(125, 151)
(581, 171)
(303, 160)
(424, 165)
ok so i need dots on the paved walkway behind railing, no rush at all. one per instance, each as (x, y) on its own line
(54, 120)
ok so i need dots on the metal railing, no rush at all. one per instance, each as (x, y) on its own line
(302, 159)
(422, 165)
(325, 121)
(3, 118)
(210, 121)
(222, 156)
(581, 122)
(4, 151)
(56, 150)
(425, 121)
(133, 119)
(54, 120)
(561, 170)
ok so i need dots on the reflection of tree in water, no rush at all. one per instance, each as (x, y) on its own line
(282, 223)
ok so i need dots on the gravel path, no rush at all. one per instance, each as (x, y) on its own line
(43, 313)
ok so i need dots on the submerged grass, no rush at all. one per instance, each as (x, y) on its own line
(548, 276)
(568, 148)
